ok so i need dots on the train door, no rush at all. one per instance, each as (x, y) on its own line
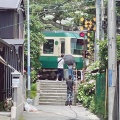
(62, 46)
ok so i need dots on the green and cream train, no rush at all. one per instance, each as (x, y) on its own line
(60, 42)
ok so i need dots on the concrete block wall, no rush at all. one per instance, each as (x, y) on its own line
(20, 100)
(36, 100)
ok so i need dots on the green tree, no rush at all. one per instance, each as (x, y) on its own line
(103, 52)
(63, 10)
(36, 37)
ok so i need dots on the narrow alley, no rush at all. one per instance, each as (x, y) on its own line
(50, 104)
(61, 112)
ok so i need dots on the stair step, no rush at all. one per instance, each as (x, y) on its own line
(52, 100)
(51, 103)
(51, 81)
(52, 92)
(52, 97)
(52, 87)
(53, 84)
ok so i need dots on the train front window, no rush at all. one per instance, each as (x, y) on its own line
(76, 46)
(48, 47)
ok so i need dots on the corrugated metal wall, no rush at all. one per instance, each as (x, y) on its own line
(8, 24)
(2, 72)
(16, 61)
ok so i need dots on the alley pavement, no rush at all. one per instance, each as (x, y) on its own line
(49, 112)
(2, 117)
(5, 115)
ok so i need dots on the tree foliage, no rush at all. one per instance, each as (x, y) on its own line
(61, 10)
(103, 52)
(36, 37)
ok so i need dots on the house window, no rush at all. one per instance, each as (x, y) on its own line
(48, 47)
(76, 46)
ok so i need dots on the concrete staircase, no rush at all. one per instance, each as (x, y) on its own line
(52, 92)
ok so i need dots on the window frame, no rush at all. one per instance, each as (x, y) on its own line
(48, 51)
(75, 47)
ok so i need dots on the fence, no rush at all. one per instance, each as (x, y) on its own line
(100, 85)
(101, 94)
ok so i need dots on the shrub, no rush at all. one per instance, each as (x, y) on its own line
(33, 91)
(86, 92)
(92, 106)
(1, 106)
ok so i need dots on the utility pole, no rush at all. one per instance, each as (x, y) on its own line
(112, 60)
(97, 36)
(102, 19)
(28, 43)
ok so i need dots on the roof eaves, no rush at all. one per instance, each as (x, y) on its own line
(5, 43)
(18, 4)
(6, 8)
(14, 41)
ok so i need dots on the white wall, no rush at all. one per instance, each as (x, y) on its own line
(17, 109)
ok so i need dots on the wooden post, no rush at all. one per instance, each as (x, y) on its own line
(106, 92)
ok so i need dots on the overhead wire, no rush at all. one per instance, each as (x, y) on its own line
(15, 24)
(20, 22)
(39, 16)
(11, 25)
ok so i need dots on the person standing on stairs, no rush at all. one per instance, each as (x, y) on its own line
(60, 72)
(70, 88)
